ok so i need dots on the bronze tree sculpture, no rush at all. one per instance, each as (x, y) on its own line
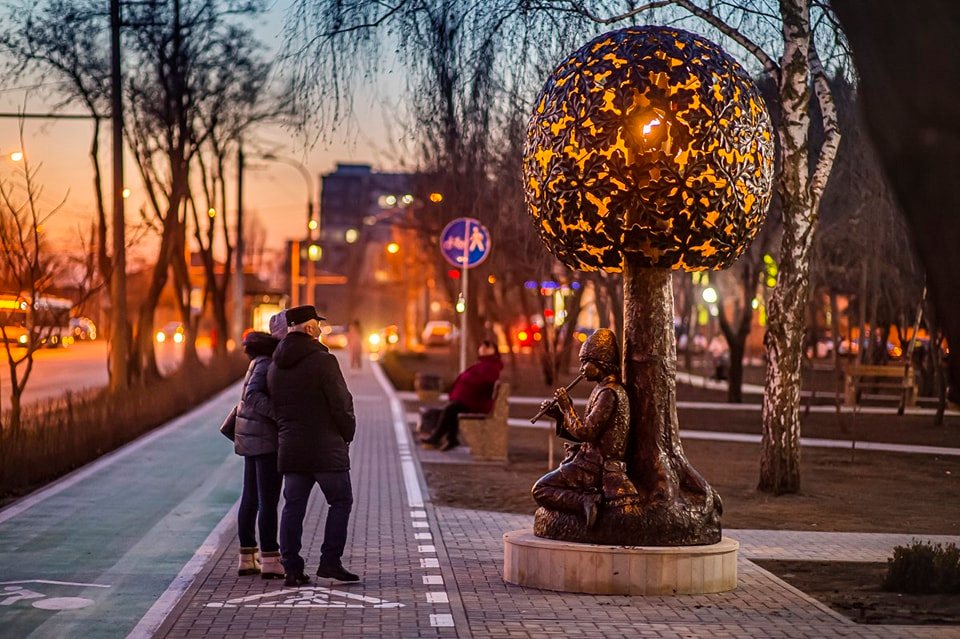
(649, 149)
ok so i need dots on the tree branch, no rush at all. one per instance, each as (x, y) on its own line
(828, 151)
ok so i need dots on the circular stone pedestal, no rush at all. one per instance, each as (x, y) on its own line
(529, 560)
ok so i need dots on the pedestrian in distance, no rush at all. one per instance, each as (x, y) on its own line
(255, 439)
(472, 392)
(355, 344)
(316, 424)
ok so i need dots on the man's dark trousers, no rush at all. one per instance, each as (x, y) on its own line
(338, 492)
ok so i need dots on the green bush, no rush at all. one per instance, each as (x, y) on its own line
(923, 567)
(59, 435)
(401, 368)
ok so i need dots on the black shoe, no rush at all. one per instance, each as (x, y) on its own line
(295, 580)
(338, 572)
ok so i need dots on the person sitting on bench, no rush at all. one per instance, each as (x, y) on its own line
(472, 392)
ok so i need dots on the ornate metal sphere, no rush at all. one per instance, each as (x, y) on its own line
(649, 140)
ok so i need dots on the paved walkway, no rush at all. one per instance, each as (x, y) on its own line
(436, 571)
(131, 540)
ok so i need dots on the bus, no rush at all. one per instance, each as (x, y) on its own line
(48, 320)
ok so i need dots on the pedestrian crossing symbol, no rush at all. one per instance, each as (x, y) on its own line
(314, 597)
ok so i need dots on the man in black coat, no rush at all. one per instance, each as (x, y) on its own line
(315, 424)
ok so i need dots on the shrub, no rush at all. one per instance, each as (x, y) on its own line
(401, 368)
(923, 567)
(57, 436)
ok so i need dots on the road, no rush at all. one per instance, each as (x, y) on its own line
(82, 366)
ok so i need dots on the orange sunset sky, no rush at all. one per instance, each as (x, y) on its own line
(274, 192)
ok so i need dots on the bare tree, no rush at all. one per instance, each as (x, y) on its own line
(737, 295)
(28, 266)
(64, 43)
(193, 89)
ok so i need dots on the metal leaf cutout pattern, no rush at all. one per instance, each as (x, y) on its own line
(648, 140)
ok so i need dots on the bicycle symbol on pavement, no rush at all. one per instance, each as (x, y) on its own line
(16, 592)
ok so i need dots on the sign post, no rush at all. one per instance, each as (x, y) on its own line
(464, 243)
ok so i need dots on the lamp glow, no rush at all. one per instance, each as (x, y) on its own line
(710, 295)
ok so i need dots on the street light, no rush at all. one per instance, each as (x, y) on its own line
(16, 156)
(393, 248)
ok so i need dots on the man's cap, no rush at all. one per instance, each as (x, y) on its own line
(301, 314)
(278, 325)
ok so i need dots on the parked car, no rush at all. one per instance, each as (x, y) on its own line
(171, 332)
(525, 336)
(437, 333)
(83, 328)
(383, 340)
(334, 336)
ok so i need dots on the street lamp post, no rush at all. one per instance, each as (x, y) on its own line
(313, 254)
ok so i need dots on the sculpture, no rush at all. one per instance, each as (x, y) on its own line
(593, 473)
(649, 149)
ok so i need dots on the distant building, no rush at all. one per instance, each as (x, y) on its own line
(354, 192)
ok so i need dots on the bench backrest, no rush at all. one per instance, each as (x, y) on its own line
(878, 371)
(501, 397)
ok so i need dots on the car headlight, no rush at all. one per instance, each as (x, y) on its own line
(22, 339)
(178, 338)
(161, 337)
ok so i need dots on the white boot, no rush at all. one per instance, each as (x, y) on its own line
(249, 565)
(272, 568)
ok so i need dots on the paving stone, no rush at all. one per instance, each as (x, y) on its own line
(454, 575)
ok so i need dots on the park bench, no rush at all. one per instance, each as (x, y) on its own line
(486, 434)
(878, 378)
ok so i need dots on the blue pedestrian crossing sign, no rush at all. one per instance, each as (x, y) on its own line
(465, 242)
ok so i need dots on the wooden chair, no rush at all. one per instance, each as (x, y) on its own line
(487, 435)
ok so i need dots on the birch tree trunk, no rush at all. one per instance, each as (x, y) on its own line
(780, 455)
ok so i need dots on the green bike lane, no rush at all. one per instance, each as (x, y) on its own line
(98, 553)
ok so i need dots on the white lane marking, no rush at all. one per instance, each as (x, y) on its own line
(407, 467)
(309, 597)
(437, 597)
(441, 620)
(53, 583)
(430, 562)
(148, 625)
(414, 494)
(110, 458)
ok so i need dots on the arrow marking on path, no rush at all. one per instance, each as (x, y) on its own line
(315, 597)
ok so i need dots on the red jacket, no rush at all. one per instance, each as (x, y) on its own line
(474, 387)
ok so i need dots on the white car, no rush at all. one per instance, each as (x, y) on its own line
(437, 333)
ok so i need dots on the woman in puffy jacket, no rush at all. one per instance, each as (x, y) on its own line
(255, 440)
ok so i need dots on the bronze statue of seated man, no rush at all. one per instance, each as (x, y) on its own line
(593, 475)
